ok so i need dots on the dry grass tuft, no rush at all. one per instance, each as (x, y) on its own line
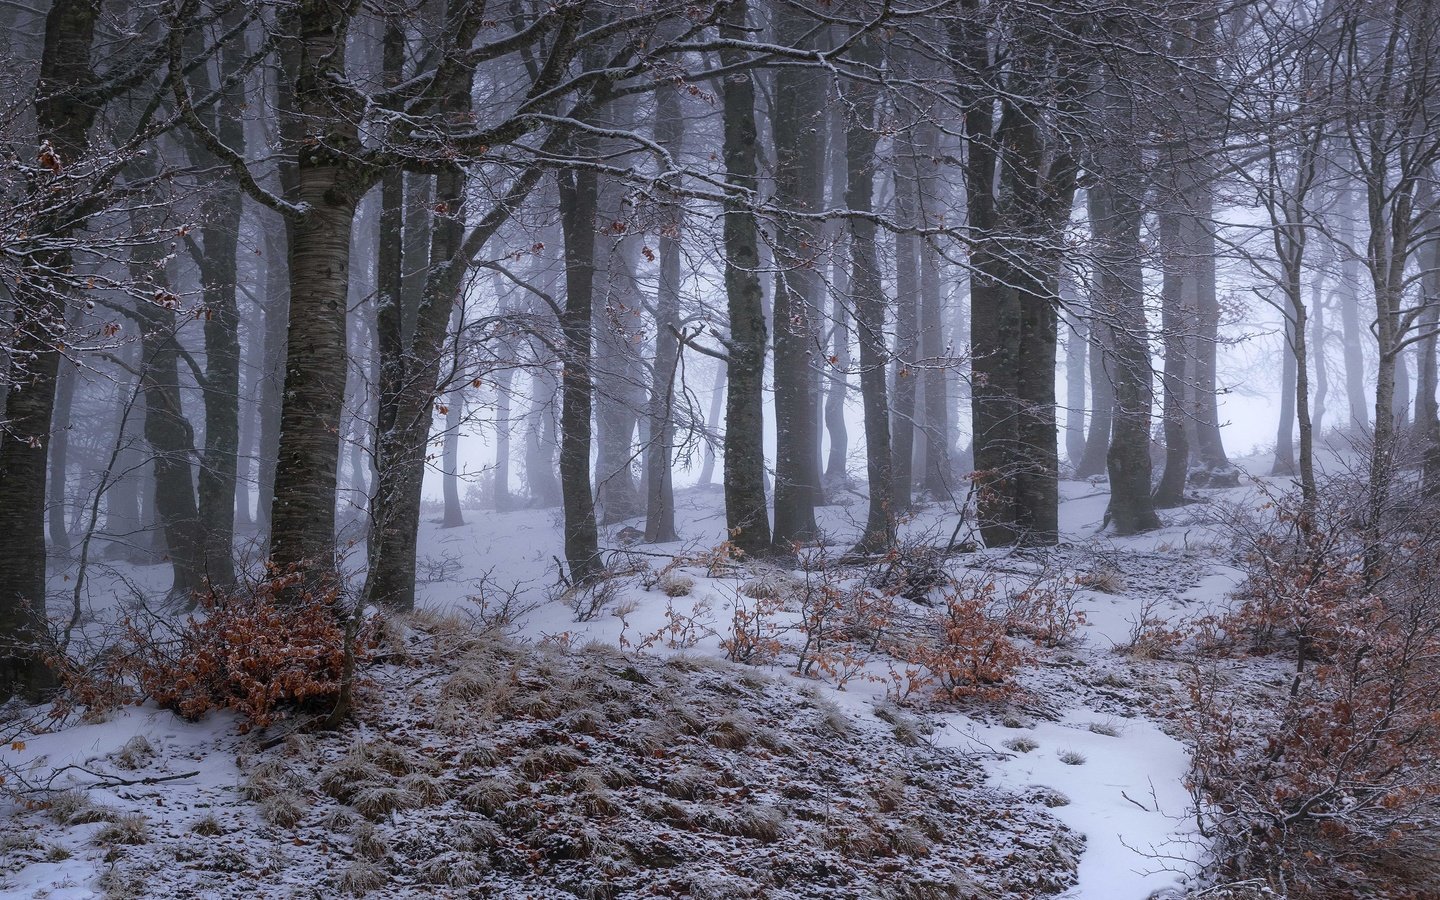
(129, 828)
(136, 753)
(378, 801)
(284, 809)
(360, 878)
(490, 795)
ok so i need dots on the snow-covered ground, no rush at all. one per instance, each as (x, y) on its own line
(1089, 739)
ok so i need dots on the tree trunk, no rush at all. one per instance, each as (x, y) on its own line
(838, 370)
(1174, 324)
(1318, 341)
(615, 367)
(1116, 215)
(64, 111)
(907, 324)
(220, 236)
(798, 128)
(1427, 422)
(869, 303)
(578, 201)
(659, 449)
(1284, 463)
(746, 517)
(453, 516)
(1353, 337)
(1076, 347)
(1102, 394)
(935, 419)
(169, 433)
(712, 423)
(60, 451)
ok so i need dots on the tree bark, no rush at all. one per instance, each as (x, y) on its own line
(907, 324)
(578, 201)
(1174, 324)
(869, 303)
(64, 111)
(746, 516)
(798, 129)
(660, 448)
(1116, 214)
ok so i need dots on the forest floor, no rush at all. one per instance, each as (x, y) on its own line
(510, 747)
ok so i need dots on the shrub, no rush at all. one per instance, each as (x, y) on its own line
(277, 647)
(1330, 789)
(970, 654)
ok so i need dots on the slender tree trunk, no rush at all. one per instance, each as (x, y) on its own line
(60, 452)
(1427, 421)
(1284, 463)
(1352, 334)
(1076, 346)
(712, 422)
(840, 362)
(453, 516)
(504, 428)
(1102, 394)
(907, 325)
(869, 303)
(220, 236)
(746, 517)
(169, 433)
(277, 313)
(935, 419)
(1317, 342)
(659, 449)
(1174, 323)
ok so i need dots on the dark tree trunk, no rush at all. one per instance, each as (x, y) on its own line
(65, 109)
(615, 368)
(1116, 214)
(798, 127)
(219, 237)
(746, 517)
(328, 183)
(169, 433)
(907, 326)
(272, 378)
(659, 449)
(578, 200)
(935, 422)
(838, 370)
(1174, 324)
(1427, 421)
(869, 303)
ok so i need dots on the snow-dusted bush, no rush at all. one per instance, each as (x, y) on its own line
(1329, 787)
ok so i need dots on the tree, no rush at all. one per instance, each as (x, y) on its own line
(746, 517)
(798, 130)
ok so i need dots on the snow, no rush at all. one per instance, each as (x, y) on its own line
(1127, 796)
